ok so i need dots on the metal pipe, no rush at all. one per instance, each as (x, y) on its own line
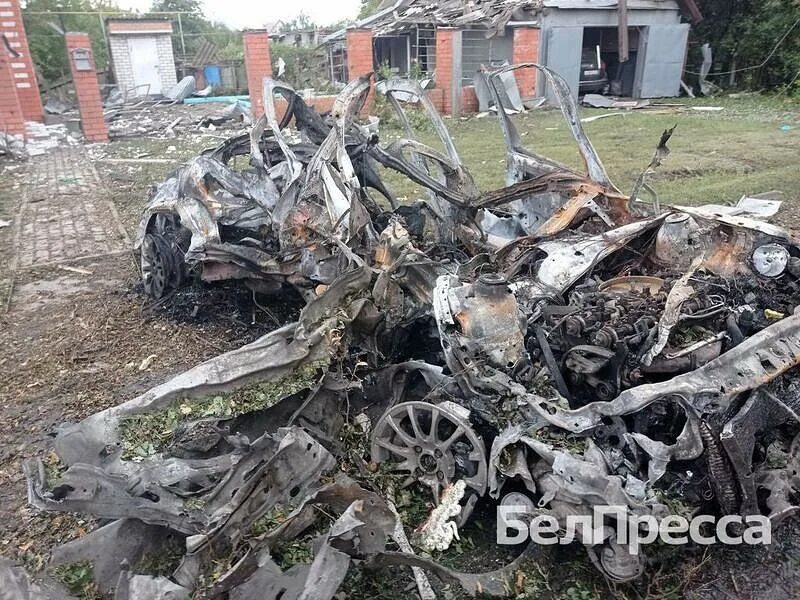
(180, 32)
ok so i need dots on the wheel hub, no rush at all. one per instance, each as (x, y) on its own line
(433, 443)
(161, 260)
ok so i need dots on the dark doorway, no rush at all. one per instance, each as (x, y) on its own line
(605, 39)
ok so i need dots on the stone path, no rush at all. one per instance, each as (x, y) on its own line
(65, 214)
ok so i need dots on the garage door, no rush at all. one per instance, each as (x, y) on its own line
(564, 55)
(661, 55)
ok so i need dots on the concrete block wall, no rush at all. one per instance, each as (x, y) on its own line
(526, 49)
(258, 64)
(87, 90)
(23, 74)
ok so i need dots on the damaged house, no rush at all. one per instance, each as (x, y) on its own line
(635, 48)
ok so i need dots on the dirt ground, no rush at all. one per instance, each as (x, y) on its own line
(76, 337)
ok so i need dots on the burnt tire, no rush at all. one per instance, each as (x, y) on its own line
(161, 257)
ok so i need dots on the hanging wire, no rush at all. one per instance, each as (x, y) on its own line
(758, 66)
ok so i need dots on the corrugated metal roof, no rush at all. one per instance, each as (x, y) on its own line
(403, 14)
(399, 15)
(206, 53)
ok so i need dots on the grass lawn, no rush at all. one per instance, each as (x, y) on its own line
(716, 157)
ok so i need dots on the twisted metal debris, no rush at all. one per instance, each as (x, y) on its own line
(553, 338)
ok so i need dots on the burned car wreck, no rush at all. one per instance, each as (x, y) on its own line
(554, 342)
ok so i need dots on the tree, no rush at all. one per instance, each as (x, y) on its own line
(745, 33)
(48, 49)
(300, 22)
(368, 7)
(193, 22)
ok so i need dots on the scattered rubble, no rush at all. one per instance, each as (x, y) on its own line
(555, 343)
(171, 120)
(12, 146)
(39, 139)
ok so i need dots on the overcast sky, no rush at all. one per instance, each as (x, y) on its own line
(240, 14)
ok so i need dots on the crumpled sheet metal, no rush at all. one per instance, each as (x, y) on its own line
(679, 293)
(571, 485)
(183, 89)
(362, 528)
(272, 475)
(762, 412)
(306, 195)
(524, 163)
(404, 320)
(107, 548)
(568, 259)
(16, 584)
(450, 185)
(147, 587)
(273, 356)
(272, 469)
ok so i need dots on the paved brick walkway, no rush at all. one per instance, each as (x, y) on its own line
(65, 213)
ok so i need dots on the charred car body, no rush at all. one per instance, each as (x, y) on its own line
(555, 338)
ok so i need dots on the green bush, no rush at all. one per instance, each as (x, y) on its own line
(305, 67)
(743, 34)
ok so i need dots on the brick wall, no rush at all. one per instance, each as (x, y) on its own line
(123, 65)
(87, 90)
(437, 98)
(444, 67)
(469, 99)
(360, 59)
(526, 49)
(21, 67)
(166, 63)
(359, 53)
(138, 26)
(121, 59)
(11, 116)
(258, 64)
(321, 104)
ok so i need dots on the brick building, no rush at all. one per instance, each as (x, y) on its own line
(141, 55)
(17, 59)
(452, 40)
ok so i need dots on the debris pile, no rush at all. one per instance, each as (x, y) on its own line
(170, 120)
(554, 343)
(12, 146)
(39, 139)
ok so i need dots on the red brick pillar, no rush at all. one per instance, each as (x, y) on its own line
(22, 66)
(526, 49)
(360, 59)
(448, 68)
(11, 116)
(258, 65)
(87, 89)
(359, 53)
